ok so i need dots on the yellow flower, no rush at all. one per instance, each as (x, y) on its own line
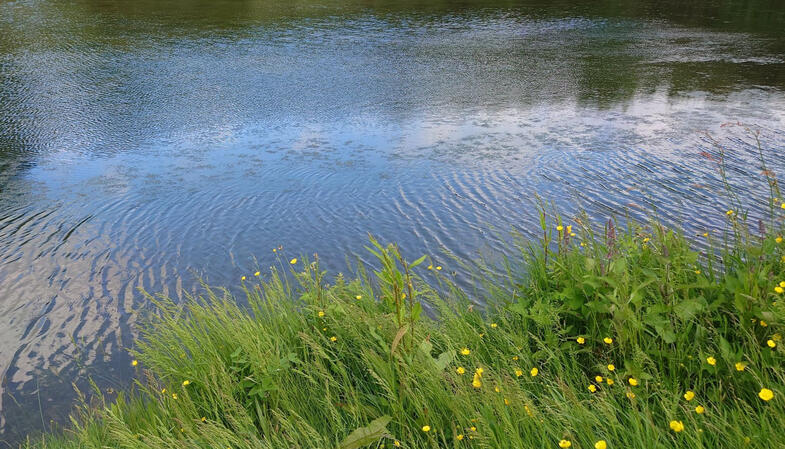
(771, 343)
(779, 289)
(496, 389)
(506, 401)
(609, 380)
(459, 437)
(460, 370)
(564, 444)
(426, 428)
(607, 340)
(633, 381)
(242, 278)
(646, 240)
(559, 228)
(740, 366)
(257, 273)
(472, 428)
(358, 297)
(569, 229)
(763, 323)
(333, 338)
(321, 313)
(689, 395)
(611, 367)
(711, 360)
(174, 395)
(479, 371)
(493, 325)
(430, 267)
(476, 382)
(293, 261)
(705, 234)
(465, 351)
(580, 340)
(592, 388)
(186, 383)
(699, 409)
(518, 372)
(601, 445)
(204, 418)
(765, 394)
(697, 271)
(630, 395)
(438, 268)
(534, 372)
(778, 239)
(515, 357)
(598, 379)
(729, 212)
(163, 390)
(134, 363)
(677, 426)
(783, 205)
(782, 284)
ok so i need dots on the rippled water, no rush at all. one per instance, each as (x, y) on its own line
(147, 143)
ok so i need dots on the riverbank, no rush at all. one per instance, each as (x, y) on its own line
(625, 338)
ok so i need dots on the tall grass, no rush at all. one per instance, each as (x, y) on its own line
(592, 339)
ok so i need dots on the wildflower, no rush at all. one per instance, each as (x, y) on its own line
(633, 381)
(765, 394)
(729, 212)
(783, 205)
(430, 267)
(677, 426)
(493, 325)
(689, 395)
(186, 383)
(496, 389)
(242, 278)
(358, 297)
(163, 390)
(569, 229)
(559, 228)
(699, 409)
(705, 234)
(607, 340)
(473, 429)
(711, 360)
(479, 371)
(580, 340)
(630, 395)
(782, 284)
(204, 418)
(763, 323)
(134, 363)
(697, 271)
(465, 351)
(779, 289)
(333, 338)
(321, 313)
(506, 401)
(534, 372)
(778, 239)
(460, 370)
(598, 379)
(609, 380)
(258, 273)
(592, 388)
(515, 357)
(611, 367)
(397, 443)
(438, 268)
(293, 261)
(459, 437)
(426, 428)
(174, 395)
(476, 382)
(528, 410)
(564, 444)
(740, 366)
(601, 445)
(518, 372)
(771, 343)
(646, 240)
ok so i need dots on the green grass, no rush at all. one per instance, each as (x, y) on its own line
(304, 364)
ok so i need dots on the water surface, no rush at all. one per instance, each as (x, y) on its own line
(145, 144)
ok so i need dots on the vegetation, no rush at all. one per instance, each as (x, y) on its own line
(612, 339)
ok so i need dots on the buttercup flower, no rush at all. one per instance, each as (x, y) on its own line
(564, 444)
(333, 338)
(580, 340)
(134, 363)
(460, 370)
(711, 361)
(607, 340)
(601, 445)
(258, 273)
(598, 379)
(740, 366)
(426, 428)
(771, 343)
(186, 383)
(293, 261)
(518, 372)
(611, 367)
(689, 395)
(592, 388)
(465, 351)
(677, 426)
(766, 394)
(699, 409)
(633, 381)
(534, 372)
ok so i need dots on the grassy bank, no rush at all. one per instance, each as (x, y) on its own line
(623, 338)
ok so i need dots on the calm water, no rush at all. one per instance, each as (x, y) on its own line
(147, 143)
